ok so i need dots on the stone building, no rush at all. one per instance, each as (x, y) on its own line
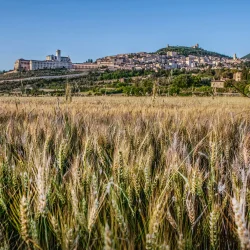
(220, 84)
(84, 66)
(172, 53)
(22, 64)
(196, 46)
(51, 62)
(238, 76)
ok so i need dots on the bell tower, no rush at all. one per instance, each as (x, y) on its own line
(58, 55)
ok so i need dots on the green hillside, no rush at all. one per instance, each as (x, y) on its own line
(246, 57)
(185, 51)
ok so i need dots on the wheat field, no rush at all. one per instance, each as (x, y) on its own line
(124, 173)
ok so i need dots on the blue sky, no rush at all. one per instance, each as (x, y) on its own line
(87, 29)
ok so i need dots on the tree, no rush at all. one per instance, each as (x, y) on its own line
(183, 81)
(173, 90)
(227, 74)
(245, 73)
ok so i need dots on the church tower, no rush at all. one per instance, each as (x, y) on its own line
(58, 55)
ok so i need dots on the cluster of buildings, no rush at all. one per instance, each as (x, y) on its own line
(132, 61)
(155, 61)
(51, 62)
(220, 84)
(170, 60)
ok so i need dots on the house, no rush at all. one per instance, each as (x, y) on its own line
(238, 76)
(218, 84)
(172, 53)
(84, 66)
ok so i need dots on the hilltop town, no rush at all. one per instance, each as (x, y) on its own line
(177, 70)
(171, 57)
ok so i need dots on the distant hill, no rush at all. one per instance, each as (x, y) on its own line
(246, 57)
(185, 51)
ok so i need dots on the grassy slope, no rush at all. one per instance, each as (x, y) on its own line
(182, 50)
(246, 57)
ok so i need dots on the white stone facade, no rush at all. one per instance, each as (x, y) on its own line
(51, 62)
(35, 65)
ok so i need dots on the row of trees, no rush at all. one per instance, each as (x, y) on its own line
(108, 75)
(134, 82)
(36, 73)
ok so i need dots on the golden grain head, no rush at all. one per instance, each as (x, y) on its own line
(121, 173)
